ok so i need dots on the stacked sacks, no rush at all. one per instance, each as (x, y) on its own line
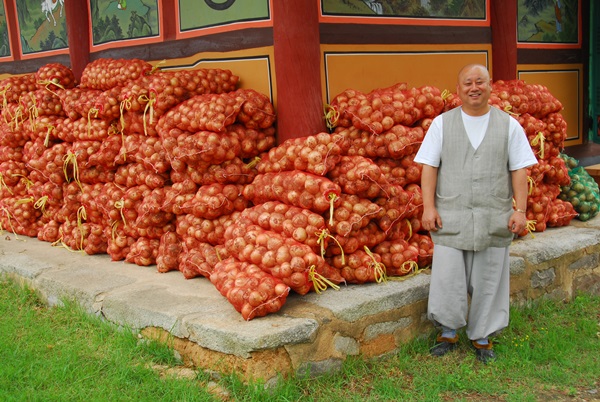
(180, 169)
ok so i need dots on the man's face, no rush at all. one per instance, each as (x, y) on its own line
(474, 89)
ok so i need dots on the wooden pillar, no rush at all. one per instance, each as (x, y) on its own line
(504, 39)
(296, 43)
(168, 20)
(11, 20)
(78, 34)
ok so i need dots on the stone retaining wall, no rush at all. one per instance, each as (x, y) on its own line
(557, 264)
(311, 334)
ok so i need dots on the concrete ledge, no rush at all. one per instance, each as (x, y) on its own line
(312, 333)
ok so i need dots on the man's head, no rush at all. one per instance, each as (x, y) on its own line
(474, 89)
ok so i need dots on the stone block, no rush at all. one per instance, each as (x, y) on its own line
(541, 279)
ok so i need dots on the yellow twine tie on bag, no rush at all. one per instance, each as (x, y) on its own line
(530, 227)
(253, 162)
(8, 216)
(319, 281)
(409, 227)
(508, 109)
(332, 199)
(81, 216)
(93, 112)
(33, 111)
(125, 105)
(412, 267)
(332, 116)
(47, 83)
(4, 185)
(120, 205)
(531, 184)
(379, 270)
(156, 67)
(3, 92)
(47, 137)
(24, 201)
(150, 100)
(41, 204)
(321, 241)
(539, 140)
(70, 157)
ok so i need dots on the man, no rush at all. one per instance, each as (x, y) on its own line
(475, 159)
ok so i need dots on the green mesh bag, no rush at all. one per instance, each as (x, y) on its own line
(583, 192)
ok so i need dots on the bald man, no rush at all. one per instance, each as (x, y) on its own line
(474, 182)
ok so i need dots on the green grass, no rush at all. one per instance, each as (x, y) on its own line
(549, 352)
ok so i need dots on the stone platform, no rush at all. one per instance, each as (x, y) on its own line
(313, 333)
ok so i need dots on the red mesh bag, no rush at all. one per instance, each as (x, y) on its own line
(251, 291)
(316, 154)
(137, 123)
(119, 242)
(198, 259)
(253, 142)
(156, 93)
(207, 112)
(8, 153)
(169, 249)
(42, 102)
(383, 108)
(361, 266)
(402, 171)
(294, 263)
(176, 195)
(143, 252)
(296, 188)
(214, 200)
(352, 213)
(369, 236)
(424, 244)
(205, 148)
(398, 256)
(561, 213)
(54, 76)
(300, 224)
(13, 88)
(107, 73)
(137, 174)
(257, 111)
(19, 216)
(204, 230)
(234, 171)
(359, 176)
(87, 237)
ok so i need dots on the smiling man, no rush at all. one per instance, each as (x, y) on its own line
(475, 159)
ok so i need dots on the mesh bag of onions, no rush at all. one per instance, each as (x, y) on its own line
(252, 291)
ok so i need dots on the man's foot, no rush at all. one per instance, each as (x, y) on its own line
(484, 353)
(444, 345)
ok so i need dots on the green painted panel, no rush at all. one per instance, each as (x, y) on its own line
(4, 41)
(197, 14)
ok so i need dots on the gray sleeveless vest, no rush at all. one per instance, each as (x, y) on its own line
(474, 187)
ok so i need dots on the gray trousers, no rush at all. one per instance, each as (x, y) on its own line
(460, 276)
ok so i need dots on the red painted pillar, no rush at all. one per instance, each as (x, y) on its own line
(296, 42)
(11, 20)
(504, 39)
(168, 19)
(78, 34)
